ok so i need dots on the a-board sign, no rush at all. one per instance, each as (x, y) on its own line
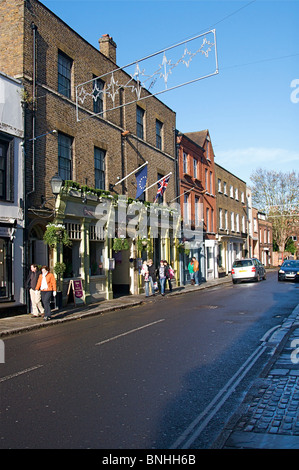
(77, 288)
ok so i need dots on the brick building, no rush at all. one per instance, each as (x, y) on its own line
(265, 239)
(198, 201)
(254, 239)
(262, 238)
(232, 218)
(51, 59)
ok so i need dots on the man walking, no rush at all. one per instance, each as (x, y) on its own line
(35, 296)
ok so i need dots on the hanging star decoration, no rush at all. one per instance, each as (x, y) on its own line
(140, 77)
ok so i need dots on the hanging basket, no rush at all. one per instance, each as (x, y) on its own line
(120, 244)
(144, 244)
(56, 233)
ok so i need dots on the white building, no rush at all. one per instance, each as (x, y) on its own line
(11, 192)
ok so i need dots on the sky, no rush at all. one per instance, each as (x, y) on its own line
(251, 106)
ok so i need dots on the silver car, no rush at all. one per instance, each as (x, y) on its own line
(248, 269)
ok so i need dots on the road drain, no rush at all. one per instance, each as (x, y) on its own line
(211, 307)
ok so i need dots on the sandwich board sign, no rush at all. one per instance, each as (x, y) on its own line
(75, 285)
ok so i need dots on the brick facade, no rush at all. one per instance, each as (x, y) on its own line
(197, 181)
(232, 218)
(265, 239)
(55, 111)
(28, 28)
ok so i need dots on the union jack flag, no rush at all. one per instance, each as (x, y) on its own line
(162, 185)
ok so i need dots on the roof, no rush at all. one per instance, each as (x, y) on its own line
(198, 137)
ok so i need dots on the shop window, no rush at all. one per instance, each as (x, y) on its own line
(6, 169)
(3, 269)
(96, 250)
(3, 165)
(72, 260)
(96, 256)
(71, 255)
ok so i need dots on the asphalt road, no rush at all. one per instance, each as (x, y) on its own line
(167, 374)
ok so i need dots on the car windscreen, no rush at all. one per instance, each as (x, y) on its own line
(242, 263)
(291, 264)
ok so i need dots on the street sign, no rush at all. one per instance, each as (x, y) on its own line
(76, 287)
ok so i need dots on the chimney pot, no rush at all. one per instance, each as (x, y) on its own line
(108, 47)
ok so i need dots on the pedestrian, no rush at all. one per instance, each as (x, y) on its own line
(47, 285)
(169, 274)
(144, 272)
(35, 296)
(162, 277)
(191, 271)
(196, 270)
(152, 275)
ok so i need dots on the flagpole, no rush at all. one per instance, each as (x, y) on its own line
(132, 173)
(158, 181)
(185, 192)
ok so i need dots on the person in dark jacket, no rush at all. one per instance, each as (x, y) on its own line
(35, 296)
(152, 275)
(168, 275)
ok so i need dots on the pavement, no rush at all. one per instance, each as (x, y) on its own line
(268, 417)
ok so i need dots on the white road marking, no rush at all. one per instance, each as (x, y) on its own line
(200, 423)
(25, 371)
(129, 332)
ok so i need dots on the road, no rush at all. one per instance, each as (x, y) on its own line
(164, 375)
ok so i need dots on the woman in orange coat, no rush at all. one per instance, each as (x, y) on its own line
(46, 283)
(196, 270)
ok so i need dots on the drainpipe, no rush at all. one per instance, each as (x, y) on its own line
(25, 229)
(34, 30)
(121, 91)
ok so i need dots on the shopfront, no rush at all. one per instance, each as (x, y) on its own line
(5, 265)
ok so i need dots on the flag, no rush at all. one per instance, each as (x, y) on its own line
(141, 178)
(162, 185)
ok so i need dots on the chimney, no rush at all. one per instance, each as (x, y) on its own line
(108, 47)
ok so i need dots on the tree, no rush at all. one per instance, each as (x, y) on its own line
(277, 194)
(290, 246)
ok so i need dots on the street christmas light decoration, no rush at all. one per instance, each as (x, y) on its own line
(158, 73)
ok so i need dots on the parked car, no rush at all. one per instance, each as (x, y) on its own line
(289, 271)
(248, 269)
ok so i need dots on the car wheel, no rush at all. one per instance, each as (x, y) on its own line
(235, 281)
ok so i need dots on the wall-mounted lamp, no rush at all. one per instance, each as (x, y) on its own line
(56, 184)
(54, 131)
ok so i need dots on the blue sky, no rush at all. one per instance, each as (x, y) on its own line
(247, 106)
